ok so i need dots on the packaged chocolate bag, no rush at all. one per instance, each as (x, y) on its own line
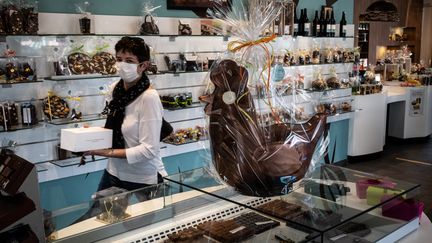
(14, 18)
(30, 18)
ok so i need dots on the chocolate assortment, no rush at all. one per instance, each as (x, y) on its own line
(176, 101)
(14, 19)
(281, 209)
(256, 222)
(31, 20)
(55, 107)
(226, 231)
(8, 115)
(17, 20)
(104, 63)
(80, 63)
(187, 235)
(11, 71)
(17, 70)
(333, 83)
(183, 136)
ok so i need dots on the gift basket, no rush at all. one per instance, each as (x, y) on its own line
(258, 145)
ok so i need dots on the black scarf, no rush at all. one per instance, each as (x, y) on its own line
(117, 108)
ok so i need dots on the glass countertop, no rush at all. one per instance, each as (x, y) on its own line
(330, 197)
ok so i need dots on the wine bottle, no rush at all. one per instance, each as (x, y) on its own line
(342, 26)
(322, 25)
(296, 24)
(287, 23)
(316, 25)
(332, 25)
(276, 26)
(306, 24)
(301, 23)
(327, 25)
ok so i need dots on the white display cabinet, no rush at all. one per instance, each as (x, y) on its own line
(87, 93)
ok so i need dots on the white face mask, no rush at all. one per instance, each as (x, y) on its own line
(128, 71)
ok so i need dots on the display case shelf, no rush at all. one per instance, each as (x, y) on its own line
(75, 161)
(85, 118)
(318, 64)
(192, 106)
(95, 76)
(10, 83)
(113, 35)
(21, 127)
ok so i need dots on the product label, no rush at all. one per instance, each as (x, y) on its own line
(29, 115)
(318, 28)
(333, 28)
(295, 27)
(307, 27)
(344, 29)
(25, 115)
(287, 30)
(276, 29)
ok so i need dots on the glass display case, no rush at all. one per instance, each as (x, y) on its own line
(333, 205)
(173, 211)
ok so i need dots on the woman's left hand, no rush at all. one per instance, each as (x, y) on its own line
(99, 152)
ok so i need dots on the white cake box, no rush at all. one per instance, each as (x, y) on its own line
(85, 139)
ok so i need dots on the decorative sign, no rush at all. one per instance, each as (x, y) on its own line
(416, 102)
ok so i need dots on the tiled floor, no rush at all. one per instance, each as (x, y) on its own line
(410, 162)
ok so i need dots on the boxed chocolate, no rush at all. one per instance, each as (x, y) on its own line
(85, 139)
(363, 184)
(13, 172)
(375, 193)
(403, 209)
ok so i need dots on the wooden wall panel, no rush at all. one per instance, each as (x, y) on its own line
(410, 16)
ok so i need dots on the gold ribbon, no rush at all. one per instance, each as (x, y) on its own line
(234, 46)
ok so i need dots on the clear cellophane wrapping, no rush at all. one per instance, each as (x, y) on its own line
(263, 139)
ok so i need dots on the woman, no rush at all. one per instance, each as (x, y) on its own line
(135, 116)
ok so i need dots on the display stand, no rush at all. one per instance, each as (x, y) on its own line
(368, 126)
(410, 118)
(21, 205)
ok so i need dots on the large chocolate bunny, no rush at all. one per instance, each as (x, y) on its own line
(255, 160)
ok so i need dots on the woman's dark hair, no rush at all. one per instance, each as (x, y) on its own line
(134, 45)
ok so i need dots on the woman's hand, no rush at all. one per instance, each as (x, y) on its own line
(100, 152)
(111, 153)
